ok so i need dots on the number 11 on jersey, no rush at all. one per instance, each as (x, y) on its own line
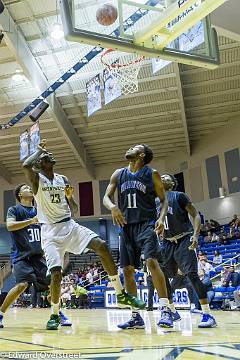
(132, 201)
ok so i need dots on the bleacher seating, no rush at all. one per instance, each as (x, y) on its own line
(79, 261)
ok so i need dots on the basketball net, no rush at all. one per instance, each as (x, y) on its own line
(124, 67)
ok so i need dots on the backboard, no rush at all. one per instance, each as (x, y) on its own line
(175, 30)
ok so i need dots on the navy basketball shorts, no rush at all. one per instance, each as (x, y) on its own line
(177, 256)
(137, 239)
(32, 270)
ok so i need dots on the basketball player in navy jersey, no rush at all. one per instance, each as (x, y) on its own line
(138, 185)
(181, 240)
(29, 266)
(60, 233)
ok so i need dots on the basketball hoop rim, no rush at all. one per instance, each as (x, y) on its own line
(114, 66)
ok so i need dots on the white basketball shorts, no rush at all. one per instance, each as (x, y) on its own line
(59, 238)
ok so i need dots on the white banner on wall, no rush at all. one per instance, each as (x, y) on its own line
(180, 298)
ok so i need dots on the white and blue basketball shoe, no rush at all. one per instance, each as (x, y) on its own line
(207, 321)
(136, 322)
(64, 321)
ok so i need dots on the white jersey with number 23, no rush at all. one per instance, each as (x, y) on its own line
(52, 205)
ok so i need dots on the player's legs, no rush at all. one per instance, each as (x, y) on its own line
(129, 260)
(82, 238)
(129, 280)
(151, 250)
(175, 315)
(100, 247)
(24, 274)
(54, 243)
(150, 287)
(187, 262)
(11, 297)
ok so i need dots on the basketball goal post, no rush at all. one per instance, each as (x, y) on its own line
(178, 17)
(170, 19)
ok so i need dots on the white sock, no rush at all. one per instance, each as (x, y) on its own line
(193, 306)
(205, 308)
(163, 302)
(1, 313)
(54, 308)
(116, 283)
(172, 308)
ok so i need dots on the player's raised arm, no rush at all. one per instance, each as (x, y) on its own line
(29, 172)
(108, 202)
(160, 192)
(69, 196)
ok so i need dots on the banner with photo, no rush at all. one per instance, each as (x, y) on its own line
(93, 95)
(23, 140)
(158, 64)
(112, 87)
(192, 38)
(34, 137)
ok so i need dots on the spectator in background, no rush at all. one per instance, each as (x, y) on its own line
(236, 295)
(208, 238)
(205, 278)
(203, 264)
(207, 225)
(215, 225)
(201, 217)
(79, 297)
(89, 277)
(217, 258)
(215, 237)
(202, 255)
(203, 230)
(232, 279)
(223, 237)
(65, 295)
(235, 222)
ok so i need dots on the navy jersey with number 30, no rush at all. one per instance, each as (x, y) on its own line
(26, 241)
(136, 195)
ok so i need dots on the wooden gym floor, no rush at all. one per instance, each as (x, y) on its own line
(94, 335)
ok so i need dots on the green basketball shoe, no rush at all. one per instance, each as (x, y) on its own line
(125, 300)
(53, 322)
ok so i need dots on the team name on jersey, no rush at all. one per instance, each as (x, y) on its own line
(134, 184)
(53, 188)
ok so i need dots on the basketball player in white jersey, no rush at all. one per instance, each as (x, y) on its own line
(60, 233)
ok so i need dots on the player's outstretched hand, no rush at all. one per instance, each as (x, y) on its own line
(34, 220)
(118, 218)
(159, 228)
(194, 243)
(68, 191)
(42, 145)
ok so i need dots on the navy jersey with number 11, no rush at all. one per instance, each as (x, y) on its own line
(136, 195)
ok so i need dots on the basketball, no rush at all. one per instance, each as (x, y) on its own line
(107, 15)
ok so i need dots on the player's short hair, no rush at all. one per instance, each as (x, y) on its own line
(17, 191)
(174, 180)
(148, 154)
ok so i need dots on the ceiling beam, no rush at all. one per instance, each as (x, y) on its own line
(182, 107)
(37, 78)
(5, 173)
(130, 96)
